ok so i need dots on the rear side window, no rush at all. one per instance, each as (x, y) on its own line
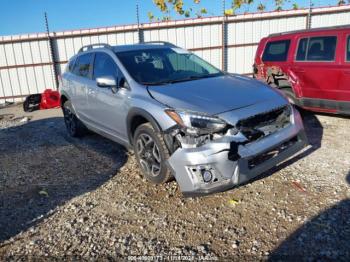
(104, 65)
(348, 50)
(82, 65)
(276, 51)
(301, 53)
(70, 66)
(317, 48)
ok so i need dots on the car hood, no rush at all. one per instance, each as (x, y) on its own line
(215, 95)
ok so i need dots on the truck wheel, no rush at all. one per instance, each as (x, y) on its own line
(74, 126)
(151, 154)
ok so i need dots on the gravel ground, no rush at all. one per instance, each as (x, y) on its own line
(65, 198)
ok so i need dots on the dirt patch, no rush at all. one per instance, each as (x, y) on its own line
(70, 198)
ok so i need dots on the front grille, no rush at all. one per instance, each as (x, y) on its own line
(271, 153)
(261, 125)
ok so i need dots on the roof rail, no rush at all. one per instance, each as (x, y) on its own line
(90, 47)
(159, 42)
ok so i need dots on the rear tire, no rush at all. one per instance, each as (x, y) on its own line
(151, 154)
(74, 126)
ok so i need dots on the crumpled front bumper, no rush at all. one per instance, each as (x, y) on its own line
(232, 163)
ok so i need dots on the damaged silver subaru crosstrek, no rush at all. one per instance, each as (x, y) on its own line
(183, 117)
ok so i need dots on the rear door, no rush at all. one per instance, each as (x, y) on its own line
(316, 68)
(108, 109)
(344, 83)
(275, 61)
(79, 82)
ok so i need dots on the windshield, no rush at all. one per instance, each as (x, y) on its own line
(165, 65)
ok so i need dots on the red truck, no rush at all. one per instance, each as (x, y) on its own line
(312, 67)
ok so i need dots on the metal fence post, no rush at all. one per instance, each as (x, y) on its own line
(52, 53)
(224, 39)
(309, 16)
(139, 30)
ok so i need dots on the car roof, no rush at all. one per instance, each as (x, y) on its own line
(322, 29)
(136, 47)
(124, 48)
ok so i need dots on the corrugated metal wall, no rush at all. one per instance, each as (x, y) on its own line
(26, 66)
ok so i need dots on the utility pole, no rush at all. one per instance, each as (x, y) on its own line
(52, 53)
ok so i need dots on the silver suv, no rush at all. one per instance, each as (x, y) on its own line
(182, 117)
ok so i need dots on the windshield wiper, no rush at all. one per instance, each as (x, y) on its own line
(170, 81)
(190, 78)
(154, 83)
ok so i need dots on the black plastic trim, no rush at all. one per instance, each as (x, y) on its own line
(342, 107)
(135, 112)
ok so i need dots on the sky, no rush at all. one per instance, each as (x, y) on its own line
(27, 16)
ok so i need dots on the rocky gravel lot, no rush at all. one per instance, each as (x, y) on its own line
(65, 198)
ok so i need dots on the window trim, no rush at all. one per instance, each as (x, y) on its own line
(307, 50)
(274, 41)
(347, 46)
(71, 61)
(75, 64)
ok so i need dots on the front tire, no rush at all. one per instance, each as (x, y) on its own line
(151, 154)
(74, 126)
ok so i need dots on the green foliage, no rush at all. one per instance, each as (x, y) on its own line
(183, 8)
(261, 7)
(177, 6)
(150, 16)
(161, 5)
(279, 5)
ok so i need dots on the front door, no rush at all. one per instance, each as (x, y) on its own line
(317, 70)
(108, 108)
(344, 83)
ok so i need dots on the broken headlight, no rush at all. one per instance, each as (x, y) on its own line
(196, 123)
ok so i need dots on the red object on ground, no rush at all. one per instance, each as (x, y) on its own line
(50, 99)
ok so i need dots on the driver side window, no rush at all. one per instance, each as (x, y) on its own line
(104, 65)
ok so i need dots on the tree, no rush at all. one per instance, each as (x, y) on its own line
(177, 6)
(279, 5)
(192, 7)
(261, 7)
(295, 6)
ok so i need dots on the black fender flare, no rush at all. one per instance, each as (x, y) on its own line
(63, 93)
(135, 112)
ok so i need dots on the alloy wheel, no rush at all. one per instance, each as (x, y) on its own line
(149, 154)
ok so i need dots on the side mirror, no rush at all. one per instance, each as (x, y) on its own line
(106, 81)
